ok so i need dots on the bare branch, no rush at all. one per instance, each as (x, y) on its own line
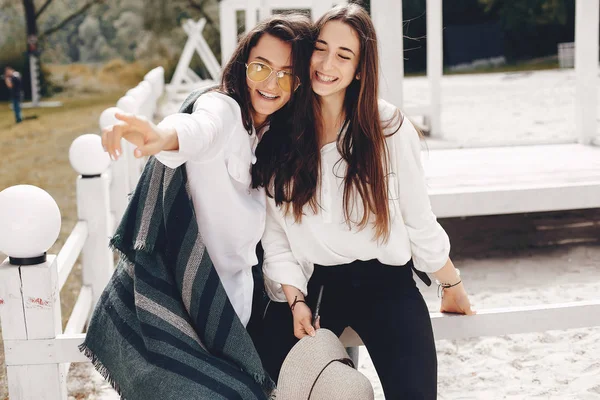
(200, 7)
(43, 8)
(70, 18)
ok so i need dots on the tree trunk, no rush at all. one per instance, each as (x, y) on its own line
(29, 7)
(32, 31)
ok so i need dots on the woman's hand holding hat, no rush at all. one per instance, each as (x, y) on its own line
(302, 321)
(301, 312)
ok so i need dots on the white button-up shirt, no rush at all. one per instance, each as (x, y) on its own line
(291, 249)
(218, 153)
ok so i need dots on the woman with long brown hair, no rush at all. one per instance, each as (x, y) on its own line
(190, 339)
(348, 216)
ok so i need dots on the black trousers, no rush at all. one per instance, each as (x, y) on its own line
(384, 306)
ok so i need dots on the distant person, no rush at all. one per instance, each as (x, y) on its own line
(13, 80)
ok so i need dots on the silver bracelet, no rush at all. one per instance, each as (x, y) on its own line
(444, 285)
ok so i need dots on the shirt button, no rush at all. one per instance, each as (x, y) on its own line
(254, 159)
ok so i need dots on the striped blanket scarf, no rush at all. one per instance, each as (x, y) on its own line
(164, 327)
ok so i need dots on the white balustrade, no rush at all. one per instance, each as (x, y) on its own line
(29, 290)
(93, 206)
(37, 352)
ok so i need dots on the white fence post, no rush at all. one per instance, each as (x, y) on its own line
(156, 77)
(29, 290)
(228, 31)
(119, 172)
(435, 64)
(586, 69)
(131, 105)
(93, 206)
(387, 17)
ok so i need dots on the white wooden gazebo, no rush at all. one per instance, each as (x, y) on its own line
(486, 180)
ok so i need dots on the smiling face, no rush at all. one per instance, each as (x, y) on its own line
(335, 59)
(267, 96)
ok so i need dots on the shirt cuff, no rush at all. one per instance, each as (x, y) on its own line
(285, 274)
(434, 253)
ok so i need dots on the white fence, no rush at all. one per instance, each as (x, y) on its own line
(38, 352)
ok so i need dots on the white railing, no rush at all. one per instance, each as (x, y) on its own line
(31, 281)
(37, 351)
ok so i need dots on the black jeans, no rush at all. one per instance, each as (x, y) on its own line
(384, 306)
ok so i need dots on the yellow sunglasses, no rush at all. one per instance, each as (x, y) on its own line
(259, 72)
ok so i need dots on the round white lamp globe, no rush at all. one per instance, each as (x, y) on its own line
(145, 88)
(107, 118)
(128, 104)
(87, 155)
(30, 221)
(140, 92)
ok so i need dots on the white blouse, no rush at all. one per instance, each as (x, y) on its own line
(219, 152)
(324, 238)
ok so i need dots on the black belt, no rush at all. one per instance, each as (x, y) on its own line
(422, 275)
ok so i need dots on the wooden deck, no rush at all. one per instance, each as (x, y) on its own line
(507, 180)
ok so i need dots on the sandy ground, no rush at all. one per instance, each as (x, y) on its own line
(548, 365)
(498, 109)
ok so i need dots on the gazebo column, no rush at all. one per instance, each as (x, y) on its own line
(251, 14)
(320, 7)
(228, 23)
(435, 64)
(387, 17)
(586, 68)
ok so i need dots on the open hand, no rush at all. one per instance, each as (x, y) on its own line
(139, 131)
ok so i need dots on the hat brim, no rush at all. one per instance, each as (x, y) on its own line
(306, 361)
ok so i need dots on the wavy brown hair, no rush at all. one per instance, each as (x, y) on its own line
(362, 147)
(293, 28)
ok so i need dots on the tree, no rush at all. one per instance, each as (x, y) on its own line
(515, 14)
(32, 16)
(531, 27)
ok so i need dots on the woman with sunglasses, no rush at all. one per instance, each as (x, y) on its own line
(260, 86)
(218, 141)
(348, 216)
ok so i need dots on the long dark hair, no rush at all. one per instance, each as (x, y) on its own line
(293, 28)
(362, 147)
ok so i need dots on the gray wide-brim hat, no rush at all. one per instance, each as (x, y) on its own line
(318, 368)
